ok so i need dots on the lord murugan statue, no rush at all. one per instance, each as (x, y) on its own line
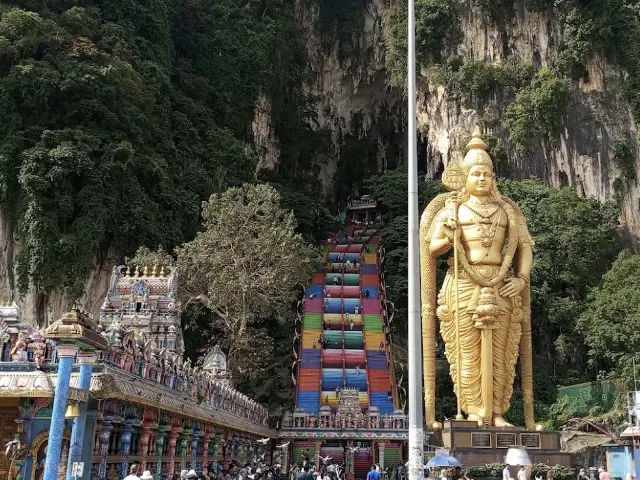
(484, 303)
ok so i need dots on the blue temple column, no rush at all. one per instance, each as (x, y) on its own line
(66, 354)
(86, 361)
(194, 444)
(125, 447)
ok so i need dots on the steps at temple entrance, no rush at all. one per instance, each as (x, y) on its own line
(392, 455)
(362, 462)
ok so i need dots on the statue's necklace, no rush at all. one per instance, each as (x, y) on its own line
(484, 210)
(486, 228)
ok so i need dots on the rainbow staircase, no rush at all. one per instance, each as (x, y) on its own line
(343, 340)
(344, 344)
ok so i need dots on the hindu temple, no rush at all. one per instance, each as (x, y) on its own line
(123, 392)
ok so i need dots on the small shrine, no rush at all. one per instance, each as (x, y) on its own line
(144, 299)
(215, 364)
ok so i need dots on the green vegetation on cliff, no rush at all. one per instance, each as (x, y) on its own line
(120, 117)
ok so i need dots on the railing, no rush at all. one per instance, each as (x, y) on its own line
(396, 421)
(168, 372)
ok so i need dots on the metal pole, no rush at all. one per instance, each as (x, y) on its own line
(416, 423)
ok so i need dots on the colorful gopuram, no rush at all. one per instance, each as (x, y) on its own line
(87, 397)
(347, 404)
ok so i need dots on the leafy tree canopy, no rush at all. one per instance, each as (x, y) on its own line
(244, 267)
(610, 321)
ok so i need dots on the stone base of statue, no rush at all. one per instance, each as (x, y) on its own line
(350, 476)
(475, 446)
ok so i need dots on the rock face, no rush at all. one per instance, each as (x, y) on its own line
(40, 309)
(350, 82)
(582, 155)
(356, 88)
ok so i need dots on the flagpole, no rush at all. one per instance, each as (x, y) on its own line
(416, 423)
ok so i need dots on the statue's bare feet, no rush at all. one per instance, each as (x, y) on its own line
(499, 421)
(472, 417)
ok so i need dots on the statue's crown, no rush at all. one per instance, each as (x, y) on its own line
(476, 153)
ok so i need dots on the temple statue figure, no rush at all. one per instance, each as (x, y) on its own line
(484, 309)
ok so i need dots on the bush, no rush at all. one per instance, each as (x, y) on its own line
(436, 27)
(475, 80)
(494, 470)
(537, 110)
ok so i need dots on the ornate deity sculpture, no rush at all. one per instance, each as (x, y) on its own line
(484, 304)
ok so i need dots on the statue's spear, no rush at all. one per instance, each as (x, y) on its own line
(456, 241)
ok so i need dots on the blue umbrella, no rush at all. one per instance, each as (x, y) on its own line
(443, 461)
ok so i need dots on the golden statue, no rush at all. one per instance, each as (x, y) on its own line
(484, 304)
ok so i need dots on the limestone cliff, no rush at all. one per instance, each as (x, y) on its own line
(39, 308)
(354, 97)
(364, 116)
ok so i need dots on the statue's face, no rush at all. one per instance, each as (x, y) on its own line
(480, 181)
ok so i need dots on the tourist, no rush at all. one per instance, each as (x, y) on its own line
(443, 474)
(467, 476)
(133, 473)
(551, 477)
(304, 474)
(602, 474)
(522, 473)
(183, 474)
(203, 476)
(506, 474)
(337, 392)
(457, 475)
(381, 347)
(357, 310)
(583, 476)
(191, 475)
(146, 475)
(373, 474)
(294, 472)
(351, 325)
(358, 369)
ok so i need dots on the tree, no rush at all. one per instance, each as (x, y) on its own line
(610, 322)
(245, 267)
(576, 242)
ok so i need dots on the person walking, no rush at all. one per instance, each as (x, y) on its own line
(522, 473)
(133, 473)
(373, 474)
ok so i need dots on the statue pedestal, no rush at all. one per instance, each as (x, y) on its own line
(475, 446)
(350, 476)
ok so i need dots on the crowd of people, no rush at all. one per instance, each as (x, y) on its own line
(234, 471)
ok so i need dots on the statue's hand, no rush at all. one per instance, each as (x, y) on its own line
(449, 229)
(512, 287)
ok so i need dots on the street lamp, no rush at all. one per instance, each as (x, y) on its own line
(416, 423)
